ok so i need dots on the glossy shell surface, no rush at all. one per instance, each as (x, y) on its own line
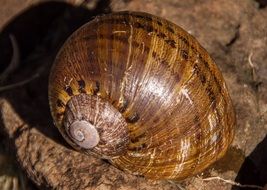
(164, 85)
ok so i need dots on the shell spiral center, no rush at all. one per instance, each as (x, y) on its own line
(84, 134)
(92, 123)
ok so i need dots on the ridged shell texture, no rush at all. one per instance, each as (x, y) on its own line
(179, 115)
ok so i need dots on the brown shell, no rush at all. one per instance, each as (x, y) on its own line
(173, 98)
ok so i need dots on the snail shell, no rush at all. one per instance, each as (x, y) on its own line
(140, 91)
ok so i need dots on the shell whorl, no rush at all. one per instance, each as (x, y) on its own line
(95, 125)
(156, 98)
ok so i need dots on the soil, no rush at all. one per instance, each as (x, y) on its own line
(233, 32)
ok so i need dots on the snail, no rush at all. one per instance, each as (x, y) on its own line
(141, 92)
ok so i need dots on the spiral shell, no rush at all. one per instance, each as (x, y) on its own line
(140, 91)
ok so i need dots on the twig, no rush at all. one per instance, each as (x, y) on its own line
(231, 182)
(11, 86)
(256, 82)
(252, 66)
(15, 60)
(179, 186)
